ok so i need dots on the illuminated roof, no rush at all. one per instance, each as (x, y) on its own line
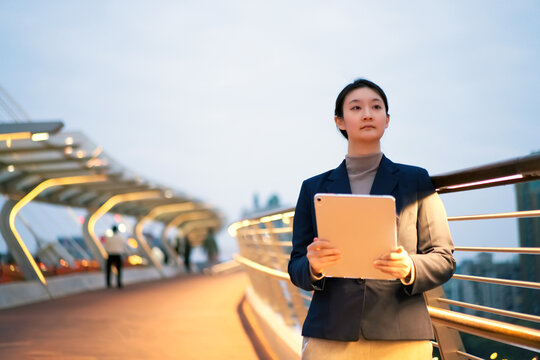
(24, 163)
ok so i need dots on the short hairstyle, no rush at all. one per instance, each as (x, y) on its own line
(114, 229)
(359, 83)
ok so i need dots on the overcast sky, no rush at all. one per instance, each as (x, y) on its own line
(224, 99)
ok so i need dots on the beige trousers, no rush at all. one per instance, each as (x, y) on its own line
(322, 349)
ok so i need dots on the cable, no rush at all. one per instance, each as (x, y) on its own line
(8, 110)
(17, 107)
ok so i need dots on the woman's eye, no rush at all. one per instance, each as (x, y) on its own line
(355, 108)
(377, 107)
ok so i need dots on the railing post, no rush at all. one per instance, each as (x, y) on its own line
(448, 339)
(247, 247)
(276, 291)
(299, 307)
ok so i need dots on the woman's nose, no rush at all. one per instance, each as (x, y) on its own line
(367, 114)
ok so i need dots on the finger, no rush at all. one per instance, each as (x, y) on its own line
(320, 245)
(319, 265)
(320, 242)
(400, 273)
(394, 256)
(321, 255)
(326, 263)
(329, 259)
(325, 252)
(391, 268)
(391, 263)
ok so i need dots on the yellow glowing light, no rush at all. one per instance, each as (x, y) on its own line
(69, 141)
(133, 243)
(288, 214)
(31, 196)
(168, 194)
(11, 267)
(271, 218)
(108, 205)
(199, 225)
(184, 207)
(84, 263)
(15, 136)
(493, 356)
(489, 181)
(135, 260)
(80, 154)
(97, 151)
(9, 137)
(11, 168)
(233, 228)
(64, 263)
(122, 227)
(94, 162)
(40, 136)
(68, 150)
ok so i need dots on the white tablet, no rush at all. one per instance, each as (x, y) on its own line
(363, 227)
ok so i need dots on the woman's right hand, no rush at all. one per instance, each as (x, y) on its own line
(320, 254)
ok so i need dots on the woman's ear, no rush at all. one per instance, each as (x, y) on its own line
(340, 123)
(387, 120)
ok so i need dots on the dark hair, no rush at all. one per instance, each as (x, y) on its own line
(114, 229)
(359, 83)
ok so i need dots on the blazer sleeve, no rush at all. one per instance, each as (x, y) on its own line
(434, 263)
(303, 234)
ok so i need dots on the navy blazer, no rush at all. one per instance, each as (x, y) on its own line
(342, 309)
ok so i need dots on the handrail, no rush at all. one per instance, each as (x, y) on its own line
(527, 166)
(264, 269)
(523, 250)
(488, 328)
(468, 356)
(505, 215)
(513, 314)
(490, 280)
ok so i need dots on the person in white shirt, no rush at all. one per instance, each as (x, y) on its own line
(116, 247)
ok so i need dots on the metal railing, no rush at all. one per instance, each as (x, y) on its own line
(265, 244)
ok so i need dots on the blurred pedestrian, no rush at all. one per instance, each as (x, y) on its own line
(116, 247)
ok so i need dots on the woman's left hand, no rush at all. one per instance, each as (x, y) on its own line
(396, 263)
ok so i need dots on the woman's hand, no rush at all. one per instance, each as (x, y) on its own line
(320, 254)
(396, 263)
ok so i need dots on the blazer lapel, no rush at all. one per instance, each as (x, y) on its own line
(386, 180)
(338, 181)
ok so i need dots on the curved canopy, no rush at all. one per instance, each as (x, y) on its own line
(31, 153)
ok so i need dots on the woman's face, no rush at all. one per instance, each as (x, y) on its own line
(364, 116)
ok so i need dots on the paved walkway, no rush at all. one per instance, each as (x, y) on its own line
(188, 317)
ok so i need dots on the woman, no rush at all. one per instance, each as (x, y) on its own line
(364, 318)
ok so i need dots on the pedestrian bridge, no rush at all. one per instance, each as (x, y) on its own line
(55, 305)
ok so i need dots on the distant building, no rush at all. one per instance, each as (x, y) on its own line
(528, 198)
(497, 296)
(273, 203)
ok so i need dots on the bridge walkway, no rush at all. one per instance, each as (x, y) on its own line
(187, 317)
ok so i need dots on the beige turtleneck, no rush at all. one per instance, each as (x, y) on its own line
(362, 170)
